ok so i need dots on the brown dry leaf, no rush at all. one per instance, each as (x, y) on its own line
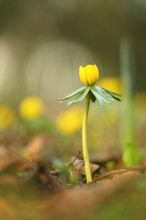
(4, 162)
(33, 149)
(81, 202)
(6, 158)
(69, 205)
(78, 165)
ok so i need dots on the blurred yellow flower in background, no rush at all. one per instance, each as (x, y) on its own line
(89, 74)
(113, 84)
(70, 121)
(31, 107)
(7, 117)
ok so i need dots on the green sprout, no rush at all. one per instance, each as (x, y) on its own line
(90, 92)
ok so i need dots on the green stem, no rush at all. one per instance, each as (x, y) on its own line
(130, 151)
(84, 142)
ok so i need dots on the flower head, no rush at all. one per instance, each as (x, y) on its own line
(31, 107)
(7, 117)
(89, 74)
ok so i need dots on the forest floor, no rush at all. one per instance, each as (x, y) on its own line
(31, 188)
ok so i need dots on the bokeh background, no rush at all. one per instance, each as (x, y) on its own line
(42, 44)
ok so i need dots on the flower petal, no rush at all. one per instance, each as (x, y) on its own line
(92, 74)
(82, 75)
(89, 74)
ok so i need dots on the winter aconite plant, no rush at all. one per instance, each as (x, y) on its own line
(89, 75)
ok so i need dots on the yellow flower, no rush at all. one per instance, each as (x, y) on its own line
(70, 121)
(31, 107)
(111, 83)
(89, 74)
(7, 117)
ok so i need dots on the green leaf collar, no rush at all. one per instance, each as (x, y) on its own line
(103, 96)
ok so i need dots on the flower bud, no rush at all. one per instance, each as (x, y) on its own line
(89, 74)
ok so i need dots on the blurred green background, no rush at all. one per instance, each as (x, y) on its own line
(42, 44)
